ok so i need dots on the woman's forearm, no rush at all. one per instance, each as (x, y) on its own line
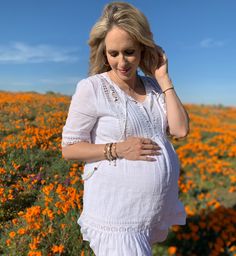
(89, 152)
(178, 119)
(84, 151)
(133, 148)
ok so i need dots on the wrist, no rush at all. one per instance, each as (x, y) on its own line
(165, 82)
(168, 89)
(119, 151)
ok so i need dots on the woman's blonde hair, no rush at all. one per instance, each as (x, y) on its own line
(129, 18)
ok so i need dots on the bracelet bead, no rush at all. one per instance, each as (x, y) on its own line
(116, 155)
(110, 157)
(105, 151)
(110, 152)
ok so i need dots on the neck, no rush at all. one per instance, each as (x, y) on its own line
(124, 85)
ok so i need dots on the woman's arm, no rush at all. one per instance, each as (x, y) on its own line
(177, 116)
(84, 151)
(134, 148)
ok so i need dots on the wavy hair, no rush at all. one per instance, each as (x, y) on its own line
(133, 21)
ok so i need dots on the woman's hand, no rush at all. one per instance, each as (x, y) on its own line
(136, 148)
(161, 71)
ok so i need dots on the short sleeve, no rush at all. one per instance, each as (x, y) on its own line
(82, 114)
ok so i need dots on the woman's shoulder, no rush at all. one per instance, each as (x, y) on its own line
(90, 83)
(94, 78)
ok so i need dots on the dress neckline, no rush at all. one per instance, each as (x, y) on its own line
(111, 82)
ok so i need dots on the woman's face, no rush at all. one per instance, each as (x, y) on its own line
(123, 54)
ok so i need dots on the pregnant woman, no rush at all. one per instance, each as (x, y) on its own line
(118, 123)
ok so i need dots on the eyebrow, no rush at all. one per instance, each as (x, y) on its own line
(127, 49)
(111, 50)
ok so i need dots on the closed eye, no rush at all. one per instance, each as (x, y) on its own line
(129, 52)
(113, 54)
(126, 52)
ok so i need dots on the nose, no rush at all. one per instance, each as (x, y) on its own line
(122, 60)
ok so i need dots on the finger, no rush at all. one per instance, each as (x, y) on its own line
(148, 141)
(151, 146)
(150, 152)
(144, 141)
(147, 158)
(165, 59)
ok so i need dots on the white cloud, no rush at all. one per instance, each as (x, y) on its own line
(20, 53)
(59, 81)
(210, 43)
(65, 85)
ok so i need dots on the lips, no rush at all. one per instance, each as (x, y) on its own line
(124, 71)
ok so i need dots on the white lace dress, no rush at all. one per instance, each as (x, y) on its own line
(128, 205)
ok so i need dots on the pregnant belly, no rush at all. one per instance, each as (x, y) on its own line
(140, 176)
(131, 186)
(156, 177)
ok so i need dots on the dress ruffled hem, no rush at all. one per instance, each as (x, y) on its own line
(124, 240)
(105, 244)
(121, 241)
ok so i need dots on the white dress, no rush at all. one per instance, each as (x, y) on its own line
(128, 205)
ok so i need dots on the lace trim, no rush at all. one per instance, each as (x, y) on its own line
(126, 227)
(163, 103)
(178, 218)
(160, 95)
(70, 140)
(116, 103)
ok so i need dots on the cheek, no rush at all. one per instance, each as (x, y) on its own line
(111, 61)
(135, 60)
(131, 59)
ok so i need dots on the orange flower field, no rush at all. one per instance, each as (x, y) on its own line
(41, 193)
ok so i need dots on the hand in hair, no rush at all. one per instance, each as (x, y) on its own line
(161, 71)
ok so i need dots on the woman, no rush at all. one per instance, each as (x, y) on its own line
(118, 123)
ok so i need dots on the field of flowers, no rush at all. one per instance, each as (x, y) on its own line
(41, 193)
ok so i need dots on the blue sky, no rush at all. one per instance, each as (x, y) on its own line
(43, 45)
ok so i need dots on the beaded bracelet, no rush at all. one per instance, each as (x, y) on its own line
(106, 150)
(115, 150)
(109, 154)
